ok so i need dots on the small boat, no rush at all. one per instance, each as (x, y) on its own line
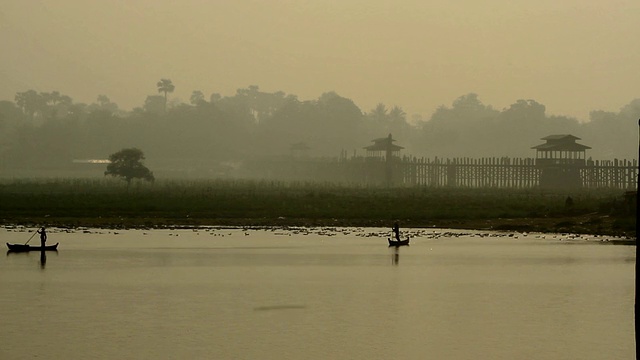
(398, 242)
(25, 247)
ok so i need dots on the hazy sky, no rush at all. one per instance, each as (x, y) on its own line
(571, 55)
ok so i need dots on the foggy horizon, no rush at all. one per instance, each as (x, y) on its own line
(574, 57)
(319, 179)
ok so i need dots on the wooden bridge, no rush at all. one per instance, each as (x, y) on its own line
(492, 172)
(560, 162)
(511, 173)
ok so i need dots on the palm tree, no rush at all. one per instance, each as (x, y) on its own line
(165, 86)
(379, 114)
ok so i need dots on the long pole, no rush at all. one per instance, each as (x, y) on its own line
(34, 234)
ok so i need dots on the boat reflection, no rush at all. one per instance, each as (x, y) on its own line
(43, 259)
(395, 257)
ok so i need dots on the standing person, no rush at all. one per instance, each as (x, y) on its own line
(43, 236)
(396, 230)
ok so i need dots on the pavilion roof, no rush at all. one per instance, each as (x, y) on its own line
(566, 147)
(561, 137)
(563, 142)
(384, 144)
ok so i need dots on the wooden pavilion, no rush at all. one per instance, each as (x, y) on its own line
(561, 150)
(560, 160)
(383, 148)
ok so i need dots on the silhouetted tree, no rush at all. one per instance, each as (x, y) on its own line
(30, 102)
(9, 113)
(103, 100)
(103, 103)
(379, 113)
(127, 164)
(329, 125)
(253, 122)
(398, 122)
(375, 122)
(56, 104)
(459, 130)
(197, 98)
(339, 122)
(379, 117)
(610, 134)
(260, 104)
(155, 104)
(165, 86)
(54, 98)
(525, 111)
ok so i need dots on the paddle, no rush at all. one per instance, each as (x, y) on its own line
(34, 234)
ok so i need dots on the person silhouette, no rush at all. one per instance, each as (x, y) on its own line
(396, 231)
(43, 237)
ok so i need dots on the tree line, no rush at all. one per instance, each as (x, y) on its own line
(49, 129)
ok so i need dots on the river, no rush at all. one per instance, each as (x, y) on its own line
(320, 293)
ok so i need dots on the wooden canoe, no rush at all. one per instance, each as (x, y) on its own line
(398, 243)
(25, 248)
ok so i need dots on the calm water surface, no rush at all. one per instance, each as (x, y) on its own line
(315, 294)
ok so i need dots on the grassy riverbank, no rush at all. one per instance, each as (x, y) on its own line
(108, 203)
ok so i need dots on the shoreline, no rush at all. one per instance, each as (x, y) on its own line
(84, 203)
(591, 224)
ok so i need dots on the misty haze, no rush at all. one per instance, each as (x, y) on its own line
(48, 134)
(319, 179)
